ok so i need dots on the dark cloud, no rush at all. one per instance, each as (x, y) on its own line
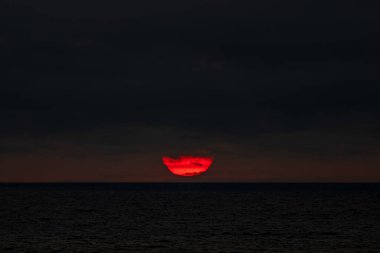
(237, 69)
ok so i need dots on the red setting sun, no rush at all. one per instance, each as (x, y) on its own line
(187, 166)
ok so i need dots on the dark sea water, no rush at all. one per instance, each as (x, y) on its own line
(189, 218)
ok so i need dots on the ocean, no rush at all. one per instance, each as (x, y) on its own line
(190, 217)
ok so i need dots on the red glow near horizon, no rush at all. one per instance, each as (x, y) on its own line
(187, 166)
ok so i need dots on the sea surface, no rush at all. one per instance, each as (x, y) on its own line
(190, 217)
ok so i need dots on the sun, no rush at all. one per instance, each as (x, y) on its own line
(188, 166)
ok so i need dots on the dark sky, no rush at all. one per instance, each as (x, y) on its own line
(274, 90)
